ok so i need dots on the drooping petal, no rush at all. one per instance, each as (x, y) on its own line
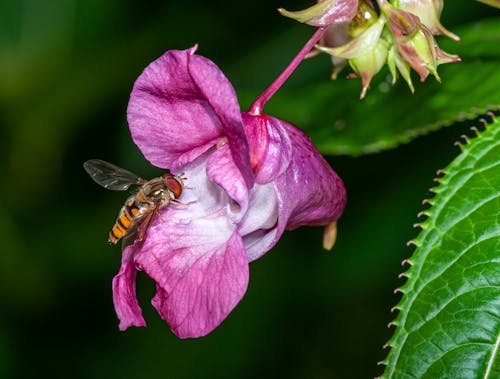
(182, 105)
(201, 272)
(124, 297)
(270, 147)
(444, 57)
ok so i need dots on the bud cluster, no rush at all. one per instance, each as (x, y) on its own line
(400, 34)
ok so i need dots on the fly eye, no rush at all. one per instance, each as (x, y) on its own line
(172, 184)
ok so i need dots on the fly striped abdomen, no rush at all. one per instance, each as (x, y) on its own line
(126, 219)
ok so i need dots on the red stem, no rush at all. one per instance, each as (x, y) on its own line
(259, 103)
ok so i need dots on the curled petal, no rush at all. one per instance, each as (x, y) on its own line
(124, 297)
(270, 147)
(174, 98)
(443, 57)
(201, 272)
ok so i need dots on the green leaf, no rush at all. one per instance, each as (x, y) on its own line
(390, 116)
(448, 324)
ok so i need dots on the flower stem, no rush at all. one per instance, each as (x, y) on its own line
(259, 103)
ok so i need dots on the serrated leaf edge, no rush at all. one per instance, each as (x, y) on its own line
(441, 181)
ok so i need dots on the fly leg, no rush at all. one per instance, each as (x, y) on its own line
(142, 228)
(182, 178)
(177, 202)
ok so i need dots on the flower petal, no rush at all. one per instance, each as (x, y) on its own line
(262, 211)
(201, 272)
(182, 95)
(258, 227)
(270, 147)
(201, 197)
(127, 308)
(211, 81)
(309, 192)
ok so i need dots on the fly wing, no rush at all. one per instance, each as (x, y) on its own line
(110, 176)
(137, 230)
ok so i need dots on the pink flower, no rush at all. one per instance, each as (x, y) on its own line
(249, 178)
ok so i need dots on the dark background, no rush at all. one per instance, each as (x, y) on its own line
(66, 71)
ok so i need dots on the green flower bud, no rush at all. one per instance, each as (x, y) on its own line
(370, 63)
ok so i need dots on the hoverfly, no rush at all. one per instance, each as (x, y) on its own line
(139, 208)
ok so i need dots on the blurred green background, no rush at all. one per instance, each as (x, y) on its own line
(66, 71)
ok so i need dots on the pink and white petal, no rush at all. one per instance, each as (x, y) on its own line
(219, 93)
(124, 297)
(270, 147)
(201, 197)
(201, 272)
(262, 211)
(309, 192)
(170, 117)
(260, 242)
(258, 227)
(222, 170)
